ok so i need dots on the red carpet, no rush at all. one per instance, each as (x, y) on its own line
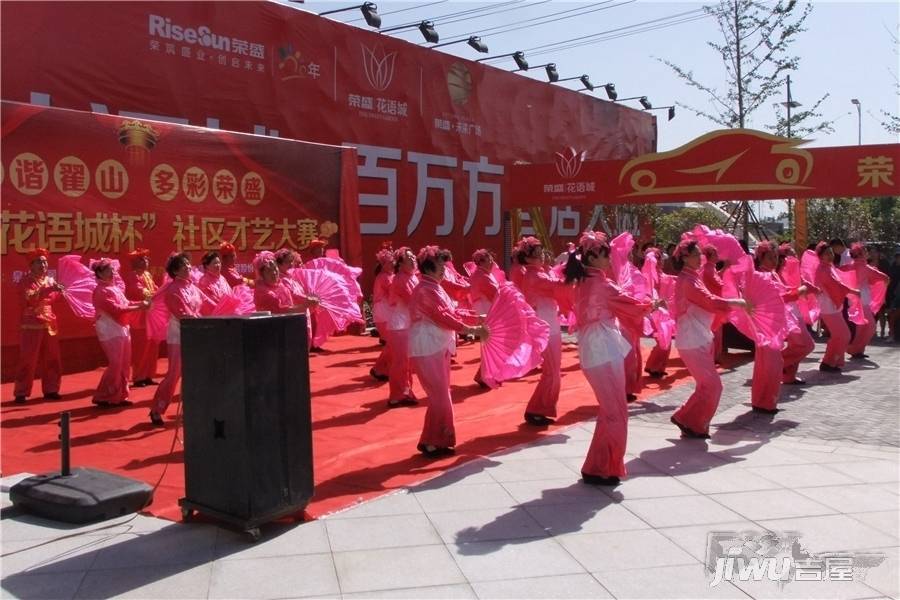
(362, 449)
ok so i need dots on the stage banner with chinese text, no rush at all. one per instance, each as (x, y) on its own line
(732, 164)
(436, 134)
(98, 185)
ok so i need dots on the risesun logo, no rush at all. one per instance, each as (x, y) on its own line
(203, 35)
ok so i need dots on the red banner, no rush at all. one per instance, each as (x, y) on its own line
(436, 133)
(735, 164)
(97, 185)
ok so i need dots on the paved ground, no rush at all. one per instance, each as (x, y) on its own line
(520, 525)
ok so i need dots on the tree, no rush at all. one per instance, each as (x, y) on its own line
(756, 38)
(851, 219)
(891, 122)
(670, 226)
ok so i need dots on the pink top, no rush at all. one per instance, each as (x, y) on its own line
(483, 289)
(273, 298)
(298, 294)
(598, 304)
(695, 310)
(434, 321)
(711, 278)
(381, 296)
(540, 289)
(214, 286)
(833, 290)
(401, 292)
(232, 276)
(183, 299)
(109, 299)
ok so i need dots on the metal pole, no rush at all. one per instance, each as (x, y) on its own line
(859, 123)
(64, 435)
(790, 210)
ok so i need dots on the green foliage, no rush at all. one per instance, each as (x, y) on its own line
(670, 226)
(868, 219)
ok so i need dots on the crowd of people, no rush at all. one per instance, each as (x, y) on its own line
(607, 292)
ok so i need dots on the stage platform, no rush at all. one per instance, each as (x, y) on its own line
(361, 447)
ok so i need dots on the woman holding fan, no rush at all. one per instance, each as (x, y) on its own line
(831, 301)
(602, 350)
(695, 311)
(434, 325)
(405, 281)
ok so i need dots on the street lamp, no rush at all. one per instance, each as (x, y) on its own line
(791, 103)
(552, 73)
(585, 81)
(670, 109)
(642, 99)
(474, 41)
(425, 27)
(858, 120)
(369, 12)
(517, 56)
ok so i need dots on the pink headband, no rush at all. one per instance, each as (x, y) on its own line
(591, 241)
(764, 248)
(682, 249)
(528, 245)
(786, 249)
(97, 265)
(428, 253)
(400, 252)
(261, 259)
(384, 256)
(856, 249)
(821, 247)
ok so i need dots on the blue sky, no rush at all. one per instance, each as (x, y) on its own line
(846, 52)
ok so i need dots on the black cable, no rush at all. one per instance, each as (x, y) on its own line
(460, 13)
(400, 10)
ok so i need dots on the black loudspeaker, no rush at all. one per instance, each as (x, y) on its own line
(247, 422)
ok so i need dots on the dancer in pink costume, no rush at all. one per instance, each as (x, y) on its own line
(661, 286)
(602, 350)
(831, 300)
(866, 276)
(114, 313)
(381, 309)
(140, 286)
(483, 290)
(712, 279)
(798, 343)
(432, 341)
(768, 361)
(228, 254)
(540, 289)
(183, 299)
(213, 283)
(695, 311)
(39, 345)
(405, 281)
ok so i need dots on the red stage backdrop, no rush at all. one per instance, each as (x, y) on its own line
(436, 134)
(98, 185)
(734, 164)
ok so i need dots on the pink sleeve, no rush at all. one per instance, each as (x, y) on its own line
(545, 285)
(436, 309)
(625, 306)
(875, 274)
(265, 300)
(177, 304)
(697, 294)
(106, 300)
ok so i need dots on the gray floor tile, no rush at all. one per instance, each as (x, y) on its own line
(887, 521)
(771, 504)
(380, 532)
(653, 485)
(397, 503)
(275, 577)
(41, 586)
(854, 498)
(585, 517)
(553, 586)
(518, 470)
(822, 590)
(870, 471)
(685, 581)
(616, 551)
(178, 544)
(885, 578)
(554, 491)
(166, 581)
(725, 480)
(681, 510)
(277, 540)
(693, 539)
(459, 591)
(487, 561)
(468, 497)
(801, 476)
(832, 533)
(73, 554)
(390, 568)
(488, 524)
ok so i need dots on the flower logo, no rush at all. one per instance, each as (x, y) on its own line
(379, 67)
(568, 162)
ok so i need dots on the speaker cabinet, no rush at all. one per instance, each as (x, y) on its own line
(247, 423)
